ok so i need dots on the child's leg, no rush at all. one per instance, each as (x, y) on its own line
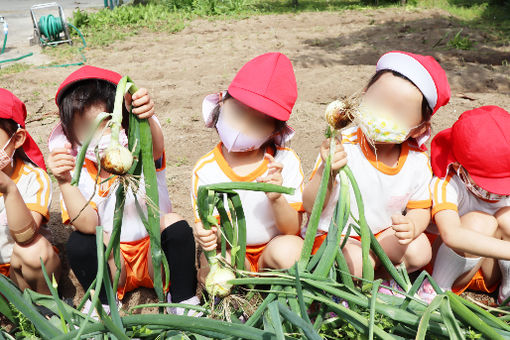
(82, 256)
(354, 258)
(26, 270)
(281, 252)
(503, 218)
(455, 268)
(178, 245)
(414, 255)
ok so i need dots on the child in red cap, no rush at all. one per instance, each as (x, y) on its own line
(25, 198)
(471, 202)
(250, 119)
(384, 151)
(80, 98)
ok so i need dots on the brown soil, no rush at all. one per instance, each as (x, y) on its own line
(333, 53)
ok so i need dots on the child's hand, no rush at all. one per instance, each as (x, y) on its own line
(60, 163)
(339, 159)
(5, 182)
(207, 239)
(404, 228)
(274, 176)
(143, 106)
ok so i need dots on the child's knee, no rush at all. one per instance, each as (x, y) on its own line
(480, 222)
(30, 256)
(169, 219)
(418, 253)
(179, 231)
(354, 258)
(503, 219)
(283, 251)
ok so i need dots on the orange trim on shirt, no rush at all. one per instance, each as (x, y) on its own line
(18, 170)
(443, 206)
(298, 159)
(39, 193)
(371, 157)
(423, 204)
(198, 167)
(443, 187)
(103, 188)
(227, 170)
(39, 209)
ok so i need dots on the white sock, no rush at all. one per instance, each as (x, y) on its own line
(194, 300)
(504, 289)
(449, 266)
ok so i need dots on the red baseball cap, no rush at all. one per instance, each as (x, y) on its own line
(86, 72)
(479, 141)
(267, 84)
(13, 108)
(424, 71)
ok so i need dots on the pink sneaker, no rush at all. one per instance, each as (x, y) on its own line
(393, 284)
(426, 292)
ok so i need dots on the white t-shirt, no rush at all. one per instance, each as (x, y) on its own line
(385, 190)
(260, 225)
(34, 185)
(103, 201)
(450, 193)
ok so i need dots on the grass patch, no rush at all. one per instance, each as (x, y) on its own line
(101, 28)
(488, 15)
(13, 68)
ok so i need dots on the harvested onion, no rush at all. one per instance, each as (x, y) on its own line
(339, 113)
(117, 159)
(216, 282)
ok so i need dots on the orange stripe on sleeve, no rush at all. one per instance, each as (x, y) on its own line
(443, 206)
(424, 204)
(39, 209)
(443, 187)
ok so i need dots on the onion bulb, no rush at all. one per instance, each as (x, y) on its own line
(339, 114)
(216, 282)
(117, 159)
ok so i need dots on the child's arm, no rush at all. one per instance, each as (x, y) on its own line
(61, 162)
(468, 241)
(338, 161)
(287, 219)
(410, 226)
(22, 222)
(143, 107)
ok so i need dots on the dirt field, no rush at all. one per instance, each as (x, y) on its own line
(333, 55)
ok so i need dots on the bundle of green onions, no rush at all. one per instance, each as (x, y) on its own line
(129, 167)
(316, 299)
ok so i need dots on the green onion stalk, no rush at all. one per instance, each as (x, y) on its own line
(129, 166)
(117, 159)
(209, 198)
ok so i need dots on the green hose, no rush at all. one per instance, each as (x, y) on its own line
(50, 28)
(3, 48)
